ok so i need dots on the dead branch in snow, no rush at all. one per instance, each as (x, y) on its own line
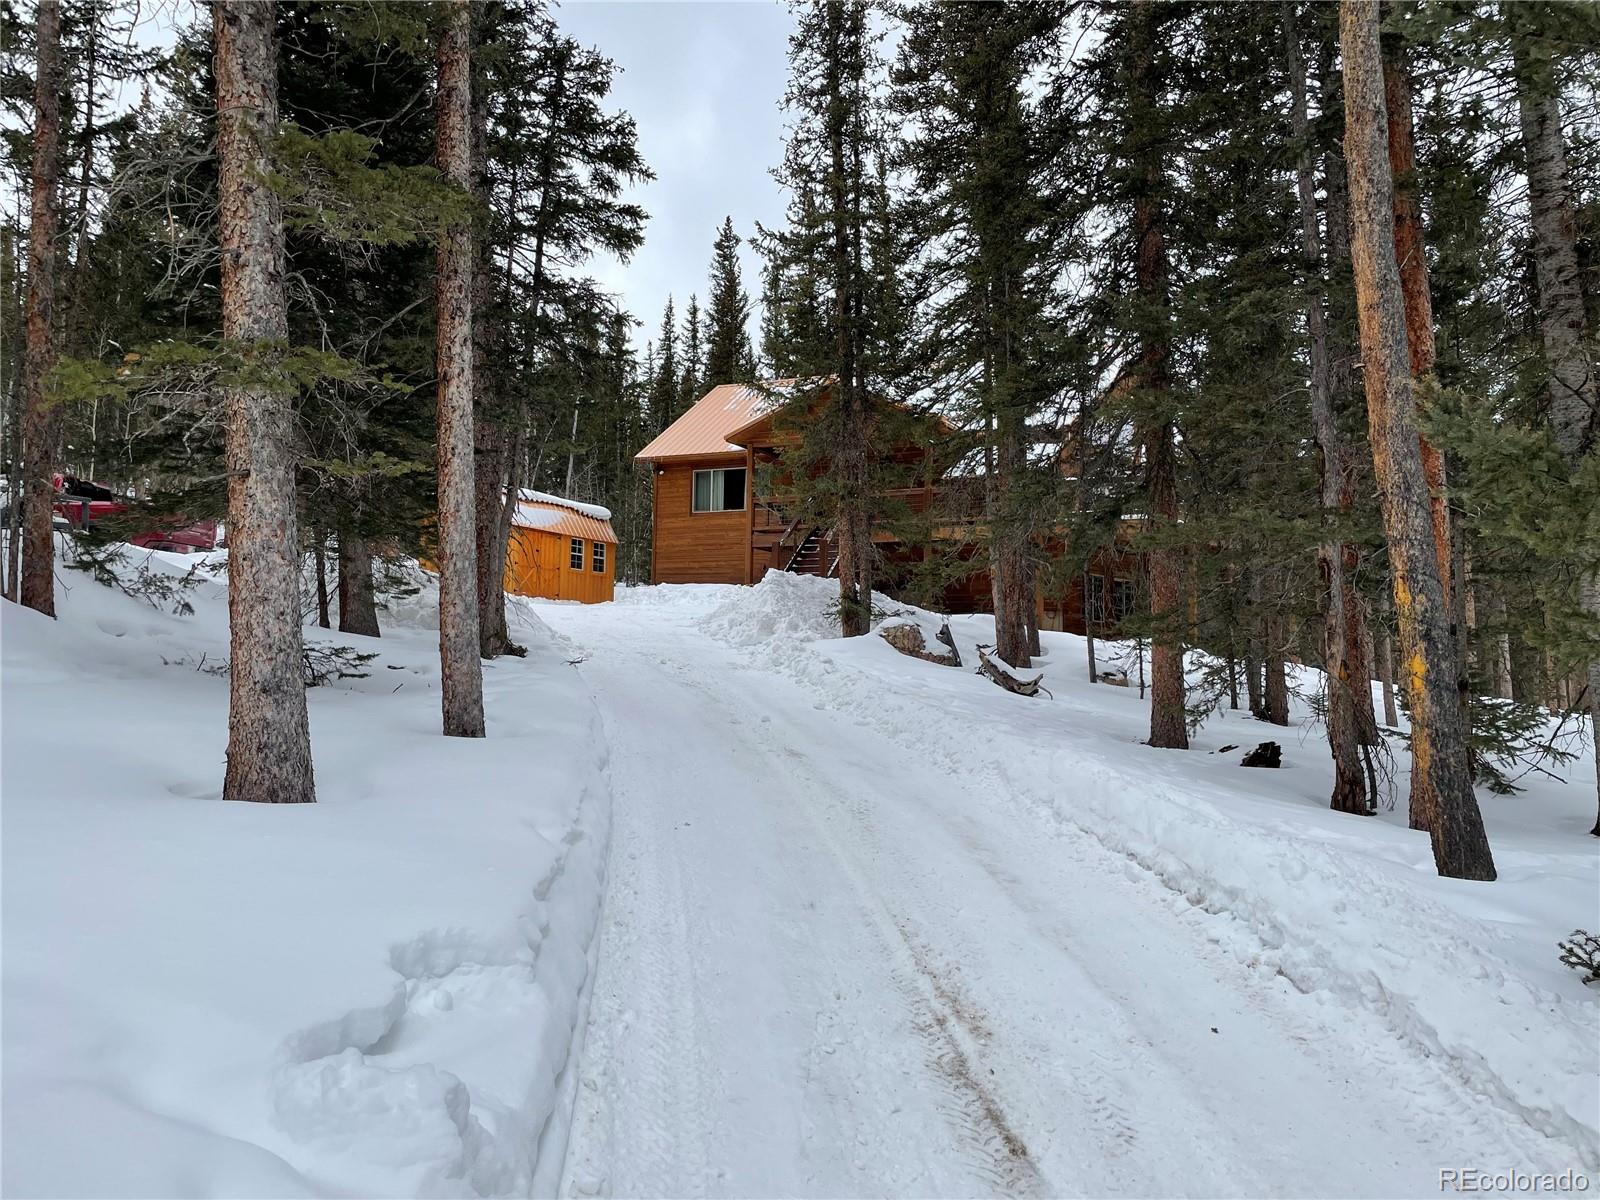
(1012, 683)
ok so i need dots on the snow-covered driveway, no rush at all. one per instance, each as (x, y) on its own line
(831, 967)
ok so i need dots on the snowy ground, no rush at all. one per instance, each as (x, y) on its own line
(870, 926)
(375, 995)
(876, 927)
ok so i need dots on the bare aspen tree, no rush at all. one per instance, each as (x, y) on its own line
(269, 741)
(461, 669)
(40, 426)
(1438, 730)
(1568, 342)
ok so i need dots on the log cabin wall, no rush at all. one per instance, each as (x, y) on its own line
(691, 547)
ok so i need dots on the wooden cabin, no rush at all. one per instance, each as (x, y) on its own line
(709, 525)
(561, 549)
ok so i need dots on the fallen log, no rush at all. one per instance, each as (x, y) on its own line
(907, 638)
(998, 672)
(948, 638)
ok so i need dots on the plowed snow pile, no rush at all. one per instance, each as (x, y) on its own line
(374, 995)
(1349, 909)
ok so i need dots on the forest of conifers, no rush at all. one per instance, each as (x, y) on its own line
(1300, 298)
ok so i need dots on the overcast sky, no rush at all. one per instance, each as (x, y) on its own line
(704, 82)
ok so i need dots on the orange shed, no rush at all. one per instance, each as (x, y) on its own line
(561, 549)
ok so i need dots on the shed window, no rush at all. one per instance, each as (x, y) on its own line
(721, 490)
(597, 561)
(575, 555)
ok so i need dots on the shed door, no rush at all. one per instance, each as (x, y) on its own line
(547, 565)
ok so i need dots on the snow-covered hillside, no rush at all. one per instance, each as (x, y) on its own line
(373, 995)
(871, 926)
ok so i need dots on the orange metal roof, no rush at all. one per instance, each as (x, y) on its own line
(552, 516)
(704, 429)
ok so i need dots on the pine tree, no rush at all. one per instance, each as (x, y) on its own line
(820, 265)
(1438, 736)
(461, 672)
(729, 357)
(664, 384)
(1168, 729)
(269, 741)
(982, 219)
(693, 380)
(1566, 334)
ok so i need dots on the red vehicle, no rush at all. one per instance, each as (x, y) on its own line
(82, 503)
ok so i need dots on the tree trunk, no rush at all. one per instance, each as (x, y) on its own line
(1008, 552)
(269, 739)
(1349, 689)
(489, 436)
(1391, 713)
(1411, 258)
(489, 471)
(1574, 394)
(853, 528)
(1438, 733)
(1168, 725)
(358, 609)
(1277, 698)
(461, 670)
(41, 433)
(319, 557)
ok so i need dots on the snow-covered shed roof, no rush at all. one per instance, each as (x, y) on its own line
(557, 514)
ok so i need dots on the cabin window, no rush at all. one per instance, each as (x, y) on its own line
(575, 555)
(1121, 600)
(598, 559)
(1092, 588)
(720, 490)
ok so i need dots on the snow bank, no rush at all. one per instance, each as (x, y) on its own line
(1348, 909)
(374, 995)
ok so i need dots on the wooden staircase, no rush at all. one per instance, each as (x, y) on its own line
(815, 555)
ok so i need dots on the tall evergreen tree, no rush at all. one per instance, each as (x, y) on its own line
(693, 380)
(822, 258)
(729, 358)
(665, 383)
(983, 218)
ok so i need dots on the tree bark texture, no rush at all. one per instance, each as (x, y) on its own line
(269, 740)
(358, 609)
(461, 669)
(1168, 725)
(1438, 732)
(41, 428)
(1411, 257)
(1569, 345)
